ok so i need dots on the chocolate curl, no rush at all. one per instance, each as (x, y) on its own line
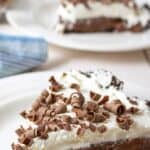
(24, 139)
(75, 86)
(95, 96)
(77, 99)
(79, 113)
(18, 147)
(55, 86)
(104, 100)
(133, 110)
(81, 131)
(115, 107)
(60, 108)
(20, 131)
(124, 122)
(91, 107)
(102, 129)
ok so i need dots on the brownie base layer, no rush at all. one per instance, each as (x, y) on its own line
(101, 25)
(134, 144)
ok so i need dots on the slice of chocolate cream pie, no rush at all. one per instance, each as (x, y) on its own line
(85, 111)
(103, 15)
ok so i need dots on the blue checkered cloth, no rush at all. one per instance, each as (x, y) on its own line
(19, 53)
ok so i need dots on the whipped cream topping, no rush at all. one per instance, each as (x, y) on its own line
(141, 3)
(101, 82)
(96, 9)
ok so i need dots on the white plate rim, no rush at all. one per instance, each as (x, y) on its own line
(6, 91)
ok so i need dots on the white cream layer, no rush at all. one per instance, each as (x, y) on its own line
(72, 13)
(64, 140)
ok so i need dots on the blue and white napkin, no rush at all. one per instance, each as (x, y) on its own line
(19, 53)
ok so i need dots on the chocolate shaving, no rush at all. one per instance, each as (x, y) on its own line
(26, 140)
(74, 121)
(66, 118)
(106, 114)
(25, 136)
(32, 116)
(30, 133)
(45, 120)
(99, 117)
(44, 135)
(91, 106)
(55, 86)
(66, 127)
(23, 114)
(41, 99)
(81, 131)
(103, 100)
(124, 122)
(36, 105)
(133, 110)
(48, 112)
(94, 96)
(76, 99)
(49, 99)
(115, 107)
(96, 117)
(18, 147)
(64, 74)
(133, 102)
(58, 97)
(102, 129)
(38, 120)
(42, 131)
(75, 86)
(90, 116)
(41, 111)
(87, 74)
(60, 108)
(53, 127)
(80, 113)
(46, 109)
(92, 127)
(44, 93)
(20, 131)
(83, 125)
(116, 83)
(67, 100)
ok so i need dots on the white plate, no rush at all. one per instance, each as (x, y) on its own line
(17, 94)
(42, 20)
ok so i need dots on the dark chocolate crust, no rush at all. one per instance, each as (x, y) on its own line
(101, 25)
(134, 144)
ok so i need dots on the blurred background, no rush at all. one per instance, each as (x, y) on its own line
(28, 43)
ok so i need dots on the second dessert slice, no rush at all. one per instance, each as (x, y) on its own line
(103, 15)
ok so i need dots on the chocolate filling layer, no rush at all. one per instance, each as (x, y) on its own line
(101, 25)
(134, 144)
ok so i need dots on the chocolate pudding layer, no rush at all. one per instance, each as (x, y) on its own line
(101, 25)
(134, 144)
